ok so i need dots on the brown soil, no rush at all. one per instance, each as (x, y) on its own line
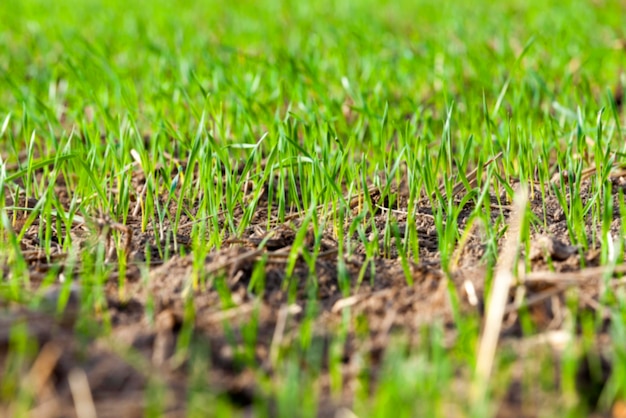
(159, 306)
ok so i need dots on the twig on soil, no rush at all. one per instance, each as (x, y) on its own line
(563, 281)
(564, 175)
(593, 304)
(83, 400)
(346, 302)
(228, 314)
(499, 294)
(140, 198)
(557, 340)
(563, 284)
(43, 367)
(341, 304)
(472, 297)
(574, 276)
(279, 331)
(235, 261)
(586, 173)
(470, 290)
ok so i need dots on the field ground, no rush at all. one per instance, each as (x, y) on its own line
(336, 209)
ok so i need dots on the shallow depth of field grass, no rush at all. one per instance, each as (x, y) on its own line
(299, 110)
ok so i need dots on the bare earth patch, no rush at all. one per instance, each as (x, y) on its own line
(216, 305)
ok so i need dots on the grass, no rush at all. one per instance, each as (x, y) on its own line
(328, 115)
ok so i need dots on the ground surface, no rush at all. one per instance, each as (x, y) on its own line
(258, 210)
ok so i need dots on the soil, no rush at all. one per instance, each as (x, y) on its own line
(147, 317)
